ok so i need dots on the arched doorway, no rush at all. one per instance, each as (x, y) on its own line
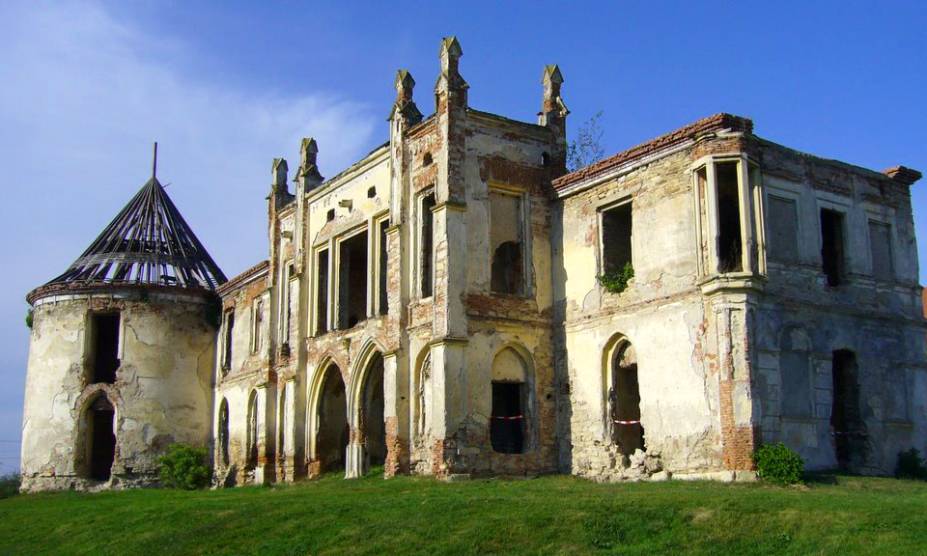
(624, 400)
(101, 438)
(223, 434)
(331, 421)
(371, 423)
(511, 409)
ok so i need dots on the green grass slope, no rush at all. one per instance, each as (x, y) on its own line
(549, 515)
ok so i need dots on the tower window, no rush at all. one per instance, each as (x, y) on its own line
(832, 250)
(383, 300)
(427, 244)
(616, 238)
(321, 292)
(507, 238)
(352, 281)
(105, 337)
(227, 342)
(730, 244)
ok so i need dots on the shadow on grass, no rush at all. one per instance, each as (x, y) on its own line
(9, 485)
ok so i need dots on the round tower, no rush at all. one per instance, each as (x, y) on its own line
(121, 354)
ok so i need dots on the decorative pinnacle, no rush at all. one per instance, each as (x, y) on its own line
(451, 46)
(279, 171)
(552, 74)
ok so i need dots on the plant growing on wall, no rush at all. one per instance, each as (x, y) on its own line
(616, 281)
(586, 146)
(30, 314)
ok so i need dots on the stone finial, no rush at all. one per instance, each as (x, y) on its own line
(308, 169)
(552, 105)
(404, 106)
(279, 171)
(903, 175)
(450, 78)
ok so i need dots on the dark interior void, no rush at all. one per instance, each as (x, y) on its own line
(846, 419)
(730, 245)
(507, 423)
(616, 238)
(507, 268)
(229, 334)
(332, 431)
(427, 254)
(372, 413)
(352, 281)
(253, 431)
(625, 399)
(224, 432)
(321, 294)
(832, 246)
(102, 439)
(105, 347)
(383, 301)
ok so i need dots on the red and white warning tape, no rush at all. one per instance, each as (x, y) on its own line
(628, 422)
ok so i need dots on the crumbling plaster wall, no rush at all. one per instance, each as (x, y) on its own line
(661, 314)
(162, 393)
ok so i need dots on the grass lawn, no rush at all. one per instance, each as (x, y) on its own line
(558, 514)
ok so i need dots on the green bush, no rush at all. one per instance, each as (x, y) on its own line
(911, 465)
(185, 467)
(777, 463)
(9, 485)
(30, 316)
(616, 281)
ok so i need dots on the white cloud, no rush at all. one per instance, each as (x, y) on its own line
(82, 95)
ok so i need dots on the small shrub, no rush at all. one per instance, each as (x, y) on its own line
(777, 463)
(911, 465)
(9, 485)
(30, 315)
(185, 467)
(616, 281)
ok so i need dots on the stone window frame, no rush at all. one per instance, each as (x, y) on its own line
(228, 340)
(375, 247)
(752, 215)
(527, 289)
(257, 324)
(334, 265)
(418, 240)
(844, 206)
(624, 199)
(88, 340)
(884, 216)
(789, 194)
(314, 275)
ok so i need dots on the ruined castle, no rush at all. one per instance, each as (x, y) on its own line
(456, 304)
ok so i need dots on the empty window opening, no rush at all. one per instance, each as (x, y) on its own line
(616, 238)
(332, 432)
(371, 192)
(507, 429)
(783, 229)
(227, 342)
(880, 244)
(507, 274)
(257, 329)
(282, 426)
(545, 159)
(832, 255)
(321, 292)
(223, 433)
(352, 281)
(846, 420)
(105, 337)
(102, 437)
(427, 242)
(426, 160)
(730, 245)
(383, 301)
(373, 428)
(625, 402)
(506, 237)
(330, 215)
(253, 430)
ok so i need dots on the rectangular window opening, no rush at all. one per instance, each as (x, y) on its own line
(730, 243)
(507, 240)
(227, 347)
(105, 333)
(427, 244)
(321, 292)
(616, 238)
(383, 298)
(507, 427)
(783, 229)
(832, 250)
(352, 281)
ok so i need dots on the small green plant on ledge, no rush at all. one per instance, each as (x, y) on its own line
(616, 281)
(30, 314)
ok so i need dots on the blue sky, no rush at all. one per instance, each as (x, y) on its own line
(227, 86)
